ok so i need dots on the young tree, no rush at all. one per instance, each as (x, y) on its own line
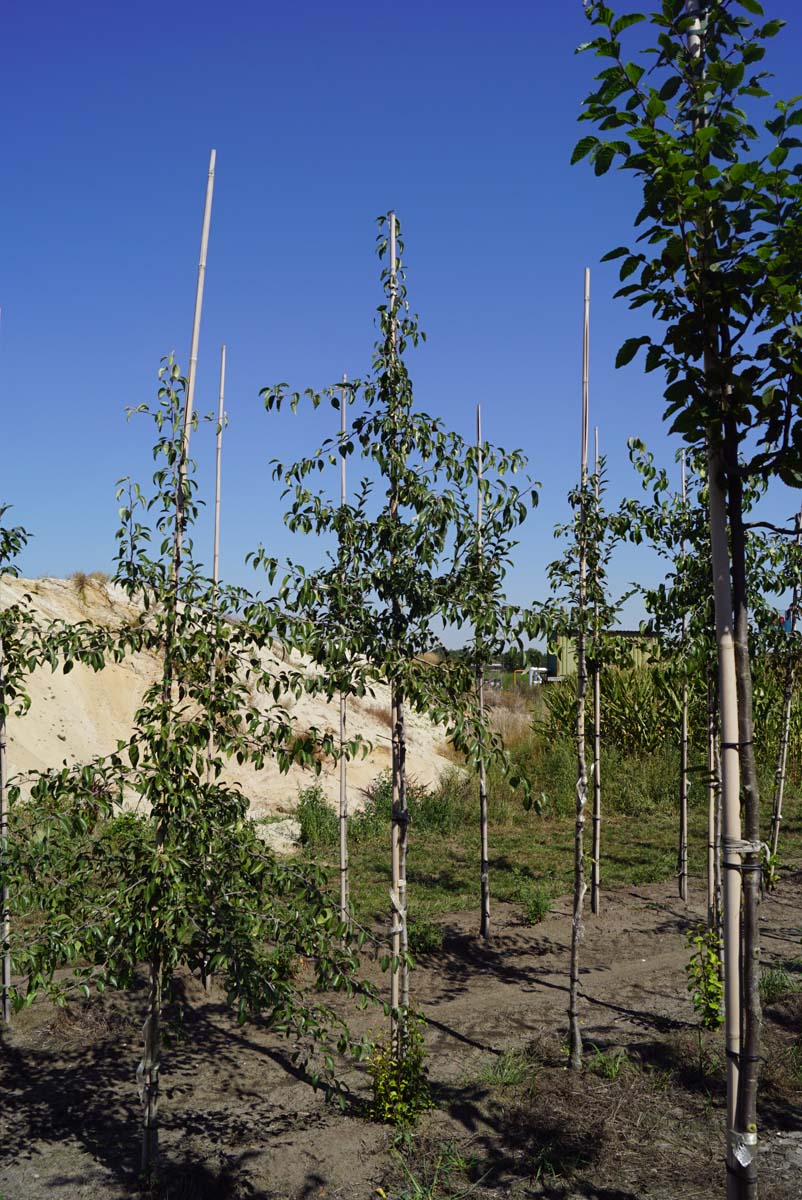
(719, 263)
(580, 608)
(182, 881)
(406, 564)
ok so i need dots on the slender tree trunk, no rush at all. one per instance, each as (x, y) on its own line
(752, 1017)
(148, 1075)
(785, 726)
(484, 928)
(682, 856)
(712, 802)
(730, 793)
(596, 857)
(205, 973)
(399, 984)
(149, 1066)
(5, 913)
(729, 715)
(345, 900)
(484, 870)
(580, 887)
(718, 857)
(595, 873)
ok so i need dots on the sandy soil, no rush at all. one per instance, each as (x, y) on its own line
(241, 1121)
(76, 716)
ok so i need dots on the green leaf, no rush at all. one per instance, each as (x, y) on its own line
(670, 88)
(619, 252)
(583, 147)
(624, 22)
(629, 349)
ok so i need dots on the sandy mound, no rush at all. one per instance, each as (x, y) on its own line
(75, 716)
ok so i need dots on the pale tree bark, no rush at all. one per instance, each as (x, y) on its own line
(484, 868)
(399, 981)
(730, 793)
(683, 753)
(345, 899)
(595, 870)
(729, 715)
(580, 886)
(752, 849)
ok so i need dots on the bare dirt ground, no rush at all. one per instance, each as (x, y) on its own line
(239, 1120)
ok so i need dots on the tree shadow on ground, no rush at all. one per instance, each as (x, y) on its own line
(83, 1091)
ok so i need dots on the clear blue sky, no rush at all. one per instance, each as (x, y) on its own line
(460, 117)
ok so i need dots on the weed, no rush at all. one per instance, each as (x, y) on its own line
(509, 1068)
(423, 936)
(795, 1061)
(435, 1175)
(608, 1064)
(704, 976)
(81, 580)
(400, 1081)
(774, 984)
(534, 897)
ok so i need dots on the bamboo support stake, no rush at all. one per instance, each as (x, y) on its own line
(5, 916)
(580, 887)
(683, 753)
(484, 926)
(596, 675)
(785, 726)
(345, 916)
(193, 361)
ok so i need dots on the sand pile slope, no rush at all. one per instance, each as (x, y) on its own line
(81, 714)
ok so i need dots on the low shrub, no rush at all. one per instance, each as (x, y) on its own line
(400, 1082)
(443, 809)
(318, 820)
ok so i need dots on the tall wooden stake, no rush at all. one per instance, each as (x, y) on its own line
(345, 914)
(595, 870)
(785, 726)
(484, 926)
(5, 915)
(683, 753)
(193, 361)
(580, 887)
